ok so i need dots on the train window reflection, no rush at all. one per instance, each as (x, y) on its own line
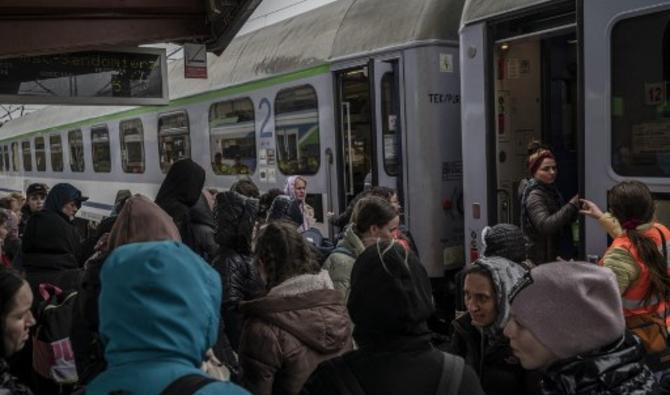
(640, 108)
(132, 145)
(15, 156)
(173, 139)
(56, 147)
(27, 156)
(232, 137)
(76, 142)
(297, 130)
(102, 161)
(40, 154)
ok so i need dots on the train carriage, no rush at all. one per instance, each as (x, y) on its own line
(349, 91)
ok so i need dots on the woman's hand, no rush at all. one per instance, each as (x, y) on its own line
(590, 209)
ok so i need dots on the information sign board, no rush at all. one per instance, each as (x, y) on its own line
(136, 76)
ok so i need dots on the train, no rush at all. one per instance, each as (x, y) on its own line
(437, 99)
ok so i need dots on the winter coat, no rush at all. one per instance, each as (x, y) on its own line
(203, 228)
(180, 190)
(139, 220)
(390, 365)
(339, 264)
(543, 217)
(614, 371)
(235, 218)
(9, 384)
(499, 371)
(49, 253)
(159, 313)
(300, 323)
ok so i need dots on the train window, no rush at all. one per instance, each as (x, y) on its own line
(27, 156)
(232, 137)
(40, 154)
(76, 142)
(173, 139)
(297, 130)
(389, 125)
(132, 145)
(102, 160)
(56, 147)
(640, 105)
(5, 154)
(15, 156)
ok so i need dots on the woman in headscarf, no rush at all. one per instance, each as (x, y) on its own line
(179, 192)
(296, 188)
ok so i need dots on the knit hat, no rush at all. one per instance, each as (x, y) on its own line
(390, 292)
(570, 307)
(505, 240)
(37, 189)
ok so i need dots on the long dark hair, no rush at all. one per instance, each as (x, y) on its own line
(371, 210)
(10, 283)
(632, 205)
(284, 252)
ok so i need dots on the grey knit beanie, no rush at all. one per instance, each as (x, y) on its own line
(570, 307)
(505, 240)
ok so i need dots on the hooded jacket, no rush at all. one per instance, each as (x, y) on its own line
(159, 313)
(613, 370)
(236, 216)
(300, 323)
(180, 190)
(50, 251)
(389, 304)
(340, 262)
(487, 350)
(140, 220)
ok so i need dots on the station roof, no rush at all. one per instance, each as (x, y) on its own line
(477, 10)
(40, 27)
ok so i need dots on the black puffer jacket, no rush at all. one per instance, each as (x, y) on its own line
(203, 228)
(499, 371)
(616, 370)
(543, 217)
(9, 384)
(49, 252)
(180, 190)
(235, 218)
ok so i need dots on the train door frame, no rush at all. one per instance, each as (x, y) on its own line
(373, 65)
(478, 44)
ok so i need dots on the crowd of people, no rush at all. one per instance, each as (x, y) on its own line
(235, 292)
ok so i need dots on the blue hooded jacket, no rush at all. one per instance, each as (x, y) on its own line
(159, 313)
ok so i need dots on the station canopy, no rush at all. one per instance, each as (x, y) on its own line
(41, 27)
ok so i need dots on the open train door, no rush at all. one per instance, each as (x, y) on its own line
(519, 83)
(368, 111)
(626, 51)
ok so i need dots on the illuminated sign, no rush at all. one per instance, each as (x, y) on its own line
(136, 76)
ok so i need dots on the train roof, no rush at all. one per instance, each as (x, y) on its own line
(338, 30)
(478, 10)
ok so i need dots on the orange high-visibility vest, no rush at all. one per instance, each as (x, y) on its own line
(633, 297)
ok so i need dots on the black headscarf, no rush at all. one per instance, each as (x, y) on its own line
(390, 293)
(180, 191)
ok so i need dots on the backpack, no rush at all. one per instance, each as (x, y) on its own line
(53, 357)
